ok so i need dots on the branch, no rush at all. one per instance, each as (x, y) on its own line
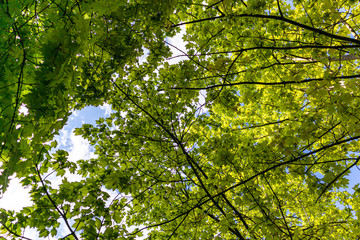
(236, 211)
(264, 212)
(173, 219)
(263, 83)
(234, 231)
(356, 36)
(273, 167)
(178, 226)
(350, 57)
(55, 205)
(14, 233)
(279, 205)
(278, 18)
(281, 14)
(347, 57)
(336, 178)
(286, 162)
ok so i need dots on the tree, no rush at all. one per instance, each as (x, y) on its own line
(265, 156)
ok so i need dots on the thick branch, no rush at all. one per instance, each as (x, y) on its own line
(263, 83)
(278, 18)
(345, 57)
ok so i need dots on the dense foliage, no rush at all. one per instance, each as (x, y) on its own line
(264, 156)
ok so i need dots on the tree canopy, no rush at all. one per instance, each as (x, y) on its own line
(249, 136)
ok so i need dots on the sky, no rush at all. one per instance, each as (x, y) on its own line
(17, 197)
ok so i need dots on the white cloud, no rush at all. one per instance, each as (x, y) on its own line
(74, 114)
(80, 148)
(16, 196)
(32, 233)
(63, 138)
(107, 108)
